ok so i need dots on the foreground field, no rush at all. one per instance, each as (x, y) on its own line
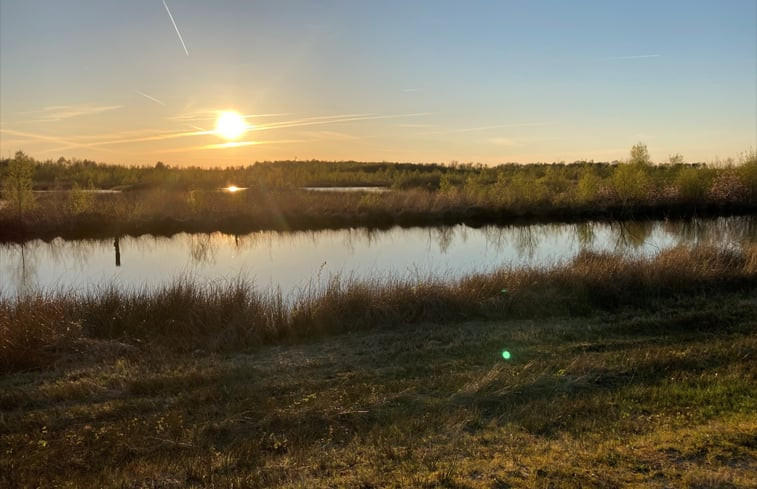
(619, 372)
(659, 397)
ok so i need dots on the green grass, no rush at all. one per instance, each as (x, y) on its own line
(660, 394)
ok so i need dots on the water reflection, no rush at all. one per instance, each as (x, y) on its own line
(202, 247)
(443, 236)
(632, 235)
(22, 272)
(295, 259)
(117, 248)
(585, 234)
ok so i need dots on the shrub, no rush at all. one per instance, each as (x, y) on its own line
(693, 184)
(727, 188)
(80, 201)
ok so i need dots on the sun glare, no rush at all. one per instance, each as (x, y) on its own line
(230, 125)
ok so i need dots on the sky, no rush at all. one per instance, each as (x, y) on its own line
(141, 81)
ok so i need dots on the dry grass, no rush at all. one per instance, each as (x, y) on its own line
(186, 316)
(661, 395)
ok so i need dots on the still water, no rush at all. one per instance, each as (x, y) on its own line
(294, 260)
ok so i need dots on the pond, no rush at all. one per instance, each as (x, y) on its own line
(294, 260)
(348, 189)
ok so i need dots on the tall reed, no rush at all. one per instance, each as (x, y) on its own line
(184, 316)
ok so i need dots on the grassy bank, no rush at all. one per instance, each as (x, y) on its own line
(654, 386)
(37, 329)
(164, 213)
(166, 200)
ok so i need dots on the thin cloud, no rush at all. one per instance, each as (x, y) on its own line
(98, 141)
(312, 121)
(48, 139)
(417, 126)
(330, 135)
(233, 144)
(638, 56)
(150, 97)
(502, 141)
(159, 137)
(212, 115)
(487, 128)
(55, 113)
(34, 136)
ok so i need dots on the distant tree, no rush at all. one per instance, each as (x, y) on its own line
(17, 183)
(639, 154)
(631, 180)
(676, 159)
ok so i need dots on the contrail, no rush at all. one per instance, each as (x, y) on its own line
(99, 144)
(640, 56)
(150, 98)
(331, 120)
(175, 27)
(68, 144)
(319, 120)
(234, 144)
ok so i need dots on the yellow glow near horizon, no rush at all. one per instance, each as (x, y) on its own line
(230, 125)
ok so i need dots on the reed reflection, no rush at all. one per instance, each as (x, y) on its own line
(22, 268)
(526, 241)
(279, 257)
(202, 248)
(585, 234)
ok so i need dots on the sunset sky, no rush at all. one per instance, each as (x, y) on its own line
(139, 81)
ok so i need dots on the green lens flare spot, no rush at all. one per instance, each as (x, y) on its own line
(506, 355)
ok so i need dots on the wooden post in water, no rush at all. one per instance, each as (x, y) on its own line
(118, 251)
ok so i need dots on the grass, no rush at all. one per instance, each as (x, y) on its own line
(185, 316)
(623, 373)
(660, 394)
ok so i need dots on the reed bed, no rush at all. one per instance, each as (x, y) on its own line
(37, 328)
(169, 200)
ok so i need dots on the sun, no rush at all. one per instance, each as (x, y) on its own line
(230, 125)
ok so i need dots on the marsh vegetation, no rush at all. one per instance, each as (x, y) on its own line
(165, 200)
(623, 370)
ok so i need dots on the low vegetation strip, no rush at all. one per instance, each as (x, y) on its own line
(658, 393)
(36, 329)
(164, 200)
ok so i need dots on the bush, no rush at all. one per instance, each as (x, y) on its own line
(693, 184)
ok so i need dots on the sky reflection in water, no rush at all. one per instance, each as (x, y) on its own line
(292, 260)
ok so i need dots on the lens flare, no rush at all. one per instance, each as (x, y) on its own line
(506, 355)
